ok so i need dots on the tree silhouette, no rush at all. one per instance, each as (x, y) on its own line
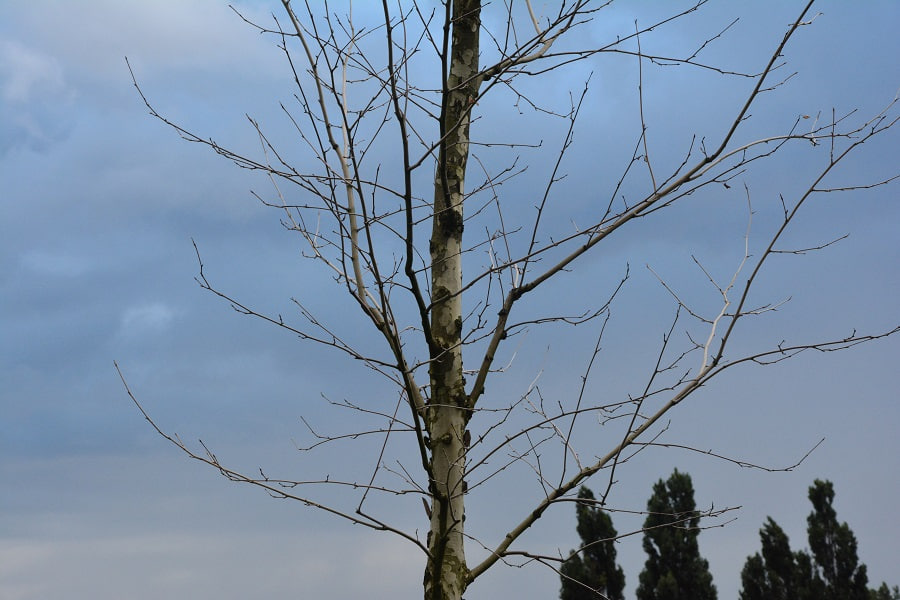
(674, 569)
(833, 547)
(777, 573)
(591, 572)
(885, 593)
(831, 571)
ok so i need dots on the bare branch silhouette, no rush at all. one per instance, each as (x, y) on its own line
(446, 240)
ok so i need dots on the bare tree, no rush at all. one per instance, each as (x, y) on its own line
(380, 186)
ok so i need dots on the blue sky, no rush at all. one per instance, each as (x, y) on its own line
(99, 208)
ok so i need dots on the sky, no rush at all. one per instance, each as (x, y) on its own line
(102, 203)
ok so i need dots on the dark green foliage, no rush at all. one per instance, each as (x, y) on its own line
(833, 546)
(674, 569)
(831, 571)
(885, 593)
(592, 573)
(777, 573)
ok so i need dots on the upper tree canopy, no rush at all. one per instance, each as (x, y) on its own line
(885, 593)
(591, 572)
(831, 571)
(833, 545)
(777, 573)
(674, 569)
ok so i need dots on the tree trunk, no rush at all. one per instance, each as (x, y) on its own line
(446, 574)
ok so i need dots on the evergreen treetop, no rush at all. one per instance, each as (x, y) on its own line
(674, 569)
(591, 572)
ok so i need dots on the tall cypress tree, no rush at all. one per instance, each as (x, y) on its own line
(674, 569)
(831, 571)
(833, 546)
(591, 573)
(777, 573)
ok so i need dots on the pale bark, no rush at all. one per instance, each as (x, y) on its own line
(447, 414)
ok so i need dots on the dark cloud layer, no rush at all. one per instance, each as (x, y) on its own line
(99, 208)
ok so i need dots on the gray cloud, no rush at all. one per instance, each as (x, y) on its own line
(34, 97)
(99, 206)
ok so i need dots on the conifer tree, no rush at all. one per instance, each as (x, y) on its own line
(831, 571)
(885, 593)
(777, 573)
(591, 573)
(833, 546)
(674, 569)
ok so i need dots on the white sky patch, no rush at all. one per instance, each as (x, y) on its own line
(20, 556)
(146, 319)
(27, 75)
(34, 97)
(221, 566)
